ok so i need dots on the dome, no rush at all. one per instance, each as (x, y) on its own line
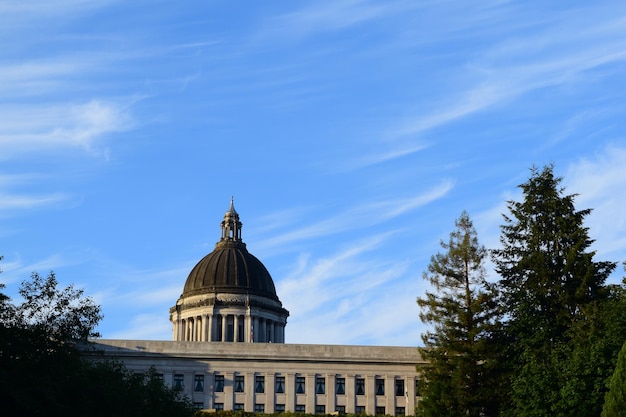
(230, 268)
(229, 296)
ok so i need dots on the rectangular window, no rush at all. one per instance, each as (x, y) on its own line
(299, 385)
(399, 387)
(159, 377)
(179, 381)
(259, 384)
(238, 407)
(198, 383)
(417, 387)
(359, 409)
(280, 384)
(320, 385)
(341, 409)
(219, 383)
(198, 406)
(259, 408)
(218, 406)
(380, 411)
(300, 408)
(400, 411)
(380, 386)
(320, 409)
(340, 386)
(239, 383)
(279, 408)
(359, 386)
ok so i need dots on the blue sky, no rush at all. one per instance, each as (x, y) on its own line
(351, 134)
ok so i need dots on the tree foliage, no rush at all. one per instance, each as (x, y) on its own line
(549, 284)
(43, 372)
(615, 402)
(462, 310)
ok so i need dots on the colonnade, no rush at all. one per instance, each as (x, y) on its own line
(229, 328)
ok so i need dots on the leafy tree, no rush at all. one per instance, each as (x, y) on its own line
(43, 371)
(462, 311)
(549, 283)
(615, 402)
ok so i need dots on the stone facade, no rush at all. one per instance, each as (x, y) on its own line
(270, 378)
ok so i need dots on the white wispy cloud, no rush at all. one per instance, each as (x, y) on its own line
(369, 213)
(600, 179)
(516, 65)
(37, 128)
(349, 295)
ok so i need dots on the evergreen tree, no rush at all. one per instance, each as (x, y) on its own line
(615, 401)
(462, 310)
(549, 282)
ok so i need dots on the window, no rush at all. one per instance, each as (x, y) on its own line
(341, 409)
(380, 411)
(259, 408)
(238, 407)
(417, 387)
(219, 383)
(320, 409)
(399, 387)
(300, 408)
(279, 408)
(218, 406)
(299, 385)
(360, 386)
(159, 377)
(198, 406)
(340, 386)
(280, 384)
(179, 381)
(239, 383)
(198, 383)
(320, 385)
(380, 386)
(359, 409)
(400, 411)
(259, 384)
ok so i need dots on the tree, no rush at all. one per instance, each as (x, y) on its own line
(43, 371)
(615, 400)
(549, 283)
(462, 311)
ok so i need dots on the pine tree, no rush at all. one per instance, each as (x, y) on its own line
(462, 311)
(615, 400)
(549, 281)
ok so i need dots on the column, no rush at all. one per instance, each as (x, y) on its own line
(309, 391)
(330, 394)
(270, 397)
(236, 328)
(370, 395)
(224, 327)
(203, 334)
(229, 390)
(210, 328)
(350, 397)
(255, 331)
(390, 395)
(290, 392)
(250, 396)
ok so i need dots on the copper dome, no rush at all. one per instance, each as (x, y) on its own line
(230, 268)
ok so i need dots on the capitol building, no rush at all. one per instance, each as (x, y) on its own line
(228, 349)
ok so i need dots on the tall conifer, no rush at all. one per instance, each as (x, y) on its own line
(548, 282)
(461, 309)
